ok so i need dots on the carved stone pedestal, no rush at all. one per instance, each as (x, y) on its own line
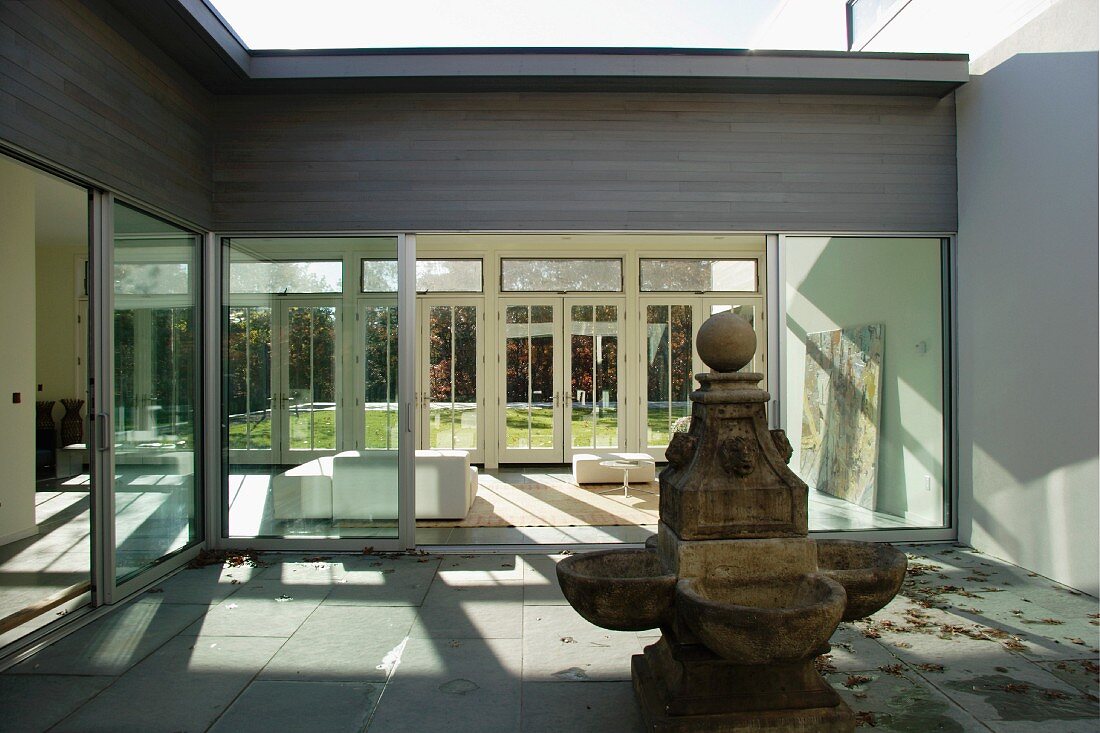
(686, 687)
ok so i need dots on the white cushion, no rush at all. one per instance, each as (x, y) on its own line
(587, 468)
(364, 484)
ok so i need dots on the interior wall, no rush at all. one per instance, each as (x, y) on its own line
(17, 335)
(833, 283)
(55, 298)
(1027, 301)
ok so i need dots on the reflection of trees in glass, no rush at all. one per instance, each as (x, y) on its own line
(581, 275)
(591, 372)
(286, 277)
(380, 367)
(675, 275)
(154, 371)
(452, 376)
(248, 387)
(379, 276)
(668, 365)
(452, 347)
(311, 371)
(152, 278)
(697, 275)
(380, 371)
(448, 276)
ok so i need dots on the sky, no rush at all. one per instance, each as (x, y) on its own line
(298, 24)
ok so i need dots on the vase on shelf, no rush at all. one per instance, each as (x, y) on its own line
(44, 419)
(72, 424)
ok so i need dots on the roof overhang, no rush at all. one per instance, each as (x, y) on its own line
(196, 37)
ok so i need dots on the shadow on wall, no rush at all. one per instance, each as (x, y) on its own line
(1028, 257)
(843, 282)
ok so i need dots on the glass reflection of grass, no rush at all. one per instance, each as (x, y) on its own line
(446, 423)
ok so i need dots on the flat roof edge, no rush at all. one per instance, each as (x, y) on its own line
(607, 51)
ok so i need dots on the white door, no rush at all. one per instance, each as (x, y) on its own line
(284, 380)
(669, 362)
(561, 377)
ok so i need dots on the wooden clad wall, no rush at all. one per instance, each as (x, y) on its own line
(81, 89)
(555, 161)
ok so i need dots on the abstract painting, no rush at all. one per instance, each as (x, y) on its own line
(840, 412)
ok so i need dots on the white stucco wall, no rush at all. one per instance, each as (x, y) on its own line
(1027, 298)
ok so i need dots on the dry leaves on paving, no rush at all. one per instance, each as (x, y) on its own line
(228, 558)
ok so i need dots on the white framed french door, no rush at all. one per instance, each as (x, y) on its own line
(560, 371)
(529, 356)
(309, 396)
(284, 361)
(594, 355)
(450, 388)
(668, 326)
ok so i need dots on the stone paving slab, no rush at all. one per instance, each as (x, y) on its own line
(487, 642)
(301, 707)
(184, 686)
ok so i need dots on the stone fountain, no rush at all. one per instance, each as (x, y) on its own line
(744, 599)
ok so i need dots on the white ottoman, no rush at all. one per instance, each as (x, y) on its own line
(304, 492)
(587, 468)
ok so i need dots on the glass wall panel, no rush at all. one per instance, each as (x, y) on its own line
(311, 387)
(594, 366)
(864, 375)
(698, 275)
(669, 371)
(561, 275)
(156, 389)
(529, 354)
(380, 377)
(452, 376)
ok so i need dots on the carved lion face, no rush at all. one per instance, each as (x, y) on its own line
(738, 455)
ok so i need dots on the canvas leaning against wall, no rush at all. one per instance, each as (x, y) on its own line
(841, 410)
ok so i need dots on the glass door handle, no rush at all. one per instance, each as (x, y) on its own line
(102, 425)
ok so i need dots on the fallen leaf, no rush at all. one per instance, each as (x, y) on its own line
(865, 719)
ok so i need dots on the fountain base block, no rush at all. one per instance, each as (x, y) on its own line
(686, 688)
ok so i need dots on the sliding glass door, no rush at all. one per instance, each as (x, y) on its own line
(155, 417)
(316, 420)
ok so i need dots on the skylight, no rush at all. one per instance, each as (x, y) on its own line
(359, 24)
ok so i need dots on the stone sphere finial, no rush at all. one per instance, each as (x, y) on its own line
(726, 342)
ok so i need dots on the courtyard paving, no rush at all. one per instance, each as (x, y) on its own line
(487, 643)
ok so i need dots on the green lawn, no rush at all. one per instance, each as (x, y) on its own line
(443, 421)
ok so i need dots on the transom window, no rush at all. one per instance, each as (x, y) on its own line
(559, 275)
(286, 276)
(698, 276)
(432, 276)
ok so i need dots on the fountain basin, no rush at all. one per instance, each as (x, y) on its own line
(871, 573)
(762, 622)
(623, 590)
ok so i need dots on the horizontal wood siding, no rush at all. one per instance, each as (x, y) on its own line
(585, 161)
(81, 89)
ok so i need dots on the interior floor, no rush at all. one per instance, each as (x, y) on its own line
(153, 518)
(520, 505)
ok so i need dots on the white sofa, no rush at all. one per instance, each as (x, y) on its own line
(363, 485)
(587, 468)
